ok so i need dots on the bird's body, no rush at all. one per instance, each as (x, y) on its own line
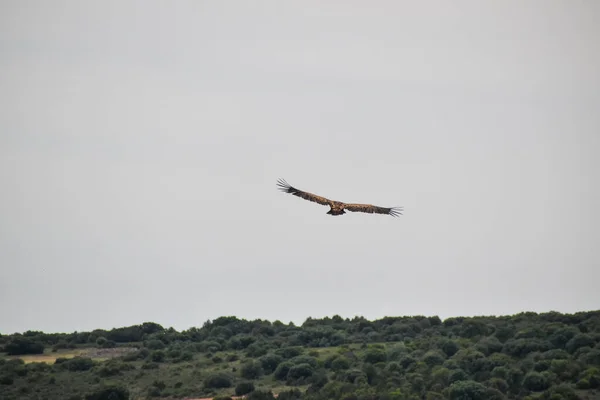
(338, 207)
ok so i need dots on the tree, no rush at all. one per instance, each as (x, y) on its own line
(20, 345)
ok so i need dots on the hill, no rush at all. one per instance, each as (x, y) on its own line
(523, 356)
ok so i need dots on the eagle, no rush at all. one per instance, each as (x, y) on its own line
(338, 207)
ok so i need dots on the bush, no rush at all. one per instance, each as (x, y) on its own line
(76, 363)
(260, 395)
(158, 356)
(218, 380)
(155, 344)
(535, 381)
(489, 345)
(243, 388)
(137, 355)
(579, 341)
(300, 371)
(304, 359)
(113, 367)
(340, 363)
(470, 390)
(289, 352)
(185, 356)
(269, 362)
(434, 357)
(374, 356)
(293, 394)
(150, 365)
(251, 370)
(210, 346)
(62, 344)
(449, 347)
(109, 393)
(282, 370)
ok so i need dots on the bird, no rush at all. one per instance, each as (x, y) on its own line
(338, 207)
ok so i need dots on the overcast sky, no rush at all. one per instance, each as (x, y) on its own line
(141, 141)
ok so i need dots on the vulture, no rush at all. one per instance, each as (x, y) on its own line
(338, 207)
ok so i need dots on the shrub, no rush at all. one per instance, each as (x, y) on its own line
(150, 365)
(218, 380)
(449, 347)
(112, 368)
(251, 370)
(300, 371)
(260, 395)
(269, 362)
(340, 363)
(578, 341)
(282, 370)
(289, 352)
(155, 344)
(374, 356)
(535, 381)
(304, 359)
(109, 393)
(468, 390)
(158, 356)
(434, 357)
(76, 363)
(243, 388)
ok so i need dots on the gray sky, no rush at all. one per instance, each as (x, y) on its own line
(140, 144)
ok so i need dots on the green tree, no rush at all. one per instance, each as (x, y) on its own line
(23, 345)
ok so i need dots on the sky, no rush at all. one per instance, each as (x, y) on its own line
(141, 142)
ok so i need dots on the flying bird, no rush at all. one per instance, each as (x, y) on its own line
(338, 207)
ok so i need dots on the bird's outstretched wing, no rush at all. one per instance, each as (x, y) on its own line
(286, 187)
(369, 208)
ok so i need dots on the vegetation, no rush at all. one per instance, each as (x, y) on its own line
(524, 356)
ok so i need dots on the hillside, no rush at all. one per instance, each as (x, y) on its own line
(523, 356)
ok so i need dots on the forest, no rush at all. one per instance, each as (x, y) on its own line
(523, 356)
